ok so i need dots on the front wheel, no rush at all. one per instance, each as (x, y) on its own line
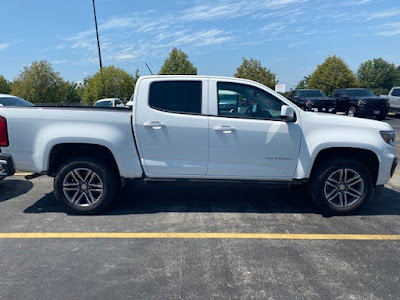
(351, 112)
(340, 186)
(86, 186)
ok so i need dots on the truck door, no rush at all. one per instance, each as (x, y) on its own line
(171, 126)
(251, 141)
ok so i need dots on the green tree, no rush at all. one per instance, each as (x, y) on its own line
(253, 70)
(39, 83)
(377, 75)
(72, 92)
(178, 63)
(397, 83)
(5, 86)
(303, 83)
(333, 73)
(109, 82)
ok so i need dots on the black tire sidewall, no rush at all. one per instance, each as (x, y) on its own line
(321, 174)
(351, 108)
(106, 174)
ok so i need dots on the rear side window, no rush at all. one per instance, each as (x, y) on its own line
(396, 92)
(176, 96)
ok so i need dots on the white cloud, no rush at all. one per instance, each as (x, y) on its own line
(385, 14)
(360, 2)
(4, 46)
(274, 28)
(295, 44)
(59, 62)
(389, 29)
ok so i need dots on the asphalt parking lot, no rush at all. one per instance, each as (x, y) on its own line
(176, 257)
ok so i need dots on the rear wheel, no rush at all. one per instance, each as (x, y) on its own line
(351, 111)
(86, 186)
(340, 186)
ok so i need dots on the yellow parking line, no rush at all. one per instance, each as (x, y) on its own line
(22, 173)
(194, 235)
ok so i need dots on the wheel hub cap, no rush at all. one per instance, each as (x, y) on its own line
(344, 187)
(83, 187)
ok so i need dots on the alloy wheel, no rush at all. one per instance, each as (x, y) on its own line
(83, 187)
(344, 188)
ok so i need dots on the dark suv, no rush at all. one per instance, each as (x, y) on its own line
(361, 103)
(313, 100)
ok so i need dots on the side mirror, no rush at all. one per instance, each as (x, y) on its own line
(287, 113)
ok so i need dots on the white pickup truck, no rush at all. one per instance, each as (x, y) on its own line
(184, 128)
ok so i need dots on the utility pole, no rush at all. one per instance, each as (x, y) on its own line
(97, 34)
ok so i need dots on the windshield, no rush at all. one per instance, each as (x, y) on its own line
(312, 94)
(361, 93)
(104, 104)
(14, 101)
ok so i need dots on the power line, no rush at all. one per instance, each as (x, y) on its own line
(97, 34)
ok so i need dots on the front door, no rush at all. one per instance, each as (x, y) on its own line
(250, 141)
(172, 127)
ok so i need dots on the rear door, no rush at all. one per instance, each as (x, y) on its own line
(171, 126)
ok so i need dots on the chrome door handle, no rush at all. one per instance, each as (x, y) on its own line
(154, 124)
(224, 129)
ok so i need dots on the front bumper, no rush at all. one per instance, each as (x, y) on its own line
(371, 112)
(6, 165)
(321, 109)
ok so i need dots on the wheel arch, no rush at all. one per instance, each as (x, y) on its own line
(64, 152)
(367, 157)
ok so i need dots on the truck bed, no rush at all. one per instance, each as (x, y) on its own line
(34, 131)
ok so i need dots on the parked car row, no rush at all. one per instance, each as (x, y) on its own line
(355, 102)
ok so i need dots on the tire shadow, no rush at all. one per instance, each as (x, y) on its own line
(151, 198)
(12, 188)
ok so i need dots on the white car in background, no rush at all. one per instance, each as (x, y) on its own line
(394, 99)
(109, 102)
(10, 100)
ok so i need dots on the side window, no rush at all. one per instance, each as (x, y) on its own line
(176, 96)
(118, 102)
(396, 92)
(245, 101)
(336, 93)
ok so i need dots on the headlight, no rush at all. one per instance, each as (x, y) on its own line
(388, 137)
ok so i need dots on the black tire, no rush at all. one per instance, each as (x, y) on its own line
(321, 187)
(381, 117)
(351, 111)
(98, 191)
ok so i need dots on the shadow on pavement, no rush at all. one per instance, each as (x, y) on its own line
(139, 198)
(13, 188)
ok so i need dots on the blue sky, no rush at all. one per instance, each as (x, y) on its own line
(290, 37)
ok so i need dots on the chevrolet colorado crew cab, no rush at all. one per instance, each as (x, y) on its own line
(359, 102)
(180, 128)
